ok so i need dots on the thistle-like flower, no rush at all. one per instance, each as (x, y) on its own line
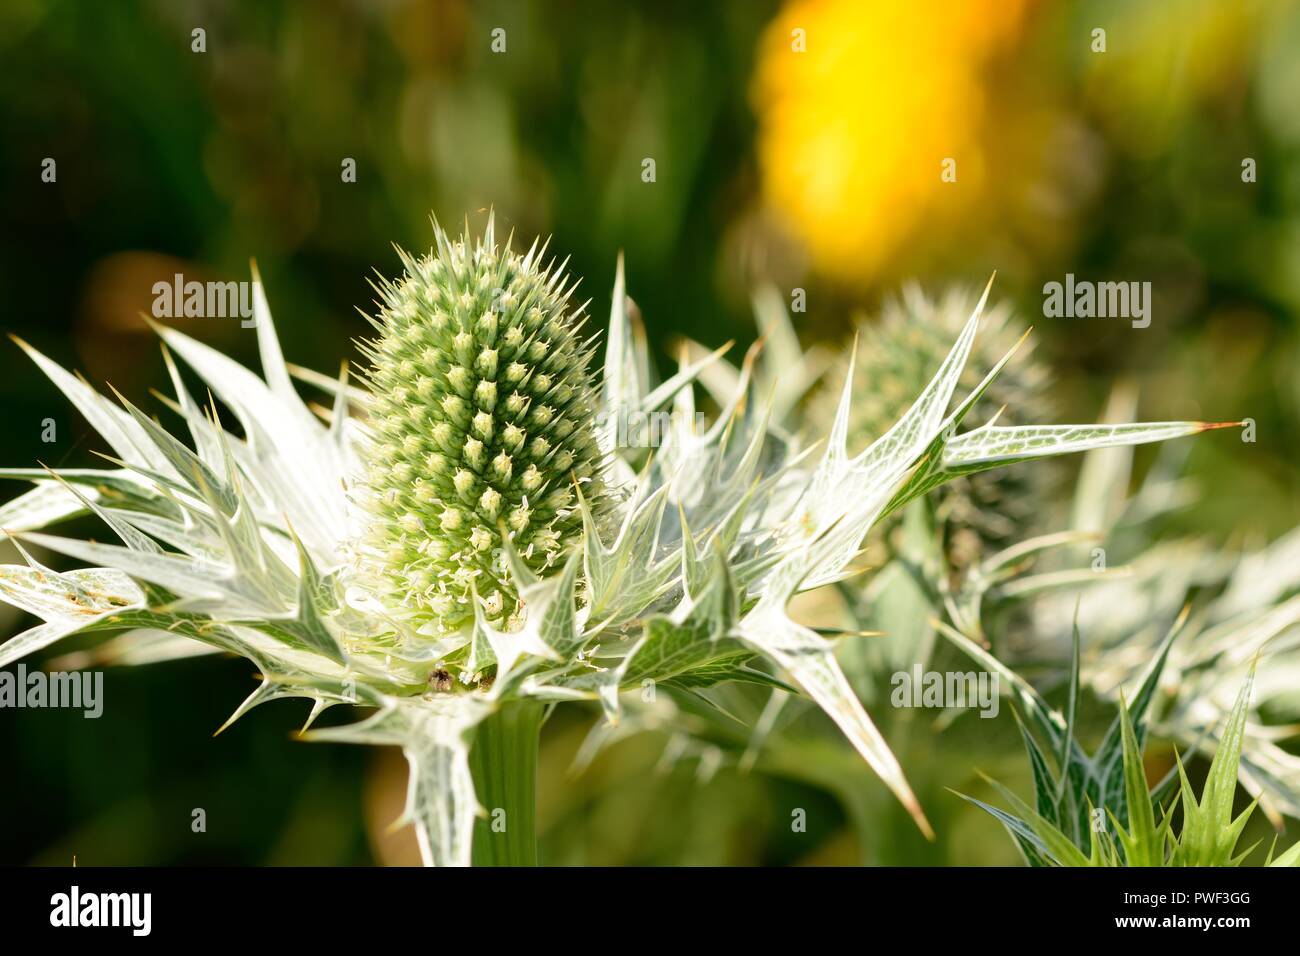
(447, 523)
(896, 355)
(483, 424)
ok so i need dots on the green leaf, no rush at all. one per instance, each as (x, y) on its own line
(1027, 841)
(1209, 835)
(1108, 769)
(731, 668)
(697, 633)
(1142, 844)
(1045, 784)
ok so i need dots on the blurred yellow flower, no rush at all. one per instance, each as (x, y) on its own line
(860, 104)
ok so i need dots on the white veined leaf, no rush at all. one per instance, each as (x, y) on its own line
(623, 383)
(302, 471)
(188, 577)
(201, 430)
(684, 376)
(1007, 443)
(786, 371)
(268, 347)
(1105, 472)
(116, 427)
(65, 602)
(330, 386)
(134, 648)
(625, 377)
(44, 505)
(1264, 577)
(846, 496)
(624, 577)
(132, 538)
(810, 661)
(434, 737)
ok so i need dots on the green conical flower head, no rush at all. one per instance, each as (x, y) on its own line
(482, 424)
(898, 354)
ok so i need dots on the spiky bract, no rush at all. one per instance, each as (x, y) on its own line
(898, 354)
(482, 422)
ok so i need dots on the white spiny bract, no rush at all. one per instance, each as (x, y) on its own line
(483, 420)
(895, 356)
(257, 544)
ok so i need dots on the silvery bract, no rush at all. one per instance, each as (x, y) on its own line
(895, 356)
(672, 569)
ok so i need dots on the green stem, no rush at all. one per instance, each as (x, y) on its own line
(503, 760)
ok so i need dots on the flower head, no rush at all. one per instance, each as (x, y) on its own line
(897, 355)
(482, 424)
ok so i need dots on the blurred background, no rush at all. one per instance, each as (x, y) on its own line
(800, 143)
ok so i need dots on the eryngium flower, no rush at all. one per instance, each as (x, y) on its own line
(897, 354)
(245, 544)
(483, 424)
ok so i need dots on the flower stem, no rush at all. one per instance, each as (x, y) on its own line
(503, 760)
